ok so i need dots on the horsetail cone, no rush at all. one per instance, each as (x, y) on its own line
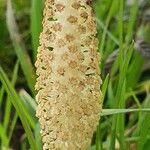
(68, 82)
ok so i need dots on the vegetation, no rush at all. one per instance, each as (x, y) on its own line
(123, 32)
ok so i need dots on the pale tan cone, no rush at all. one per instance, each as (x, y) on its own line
(68, 83)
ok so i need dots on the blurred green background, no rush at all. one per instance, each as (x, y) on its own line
(124, 44)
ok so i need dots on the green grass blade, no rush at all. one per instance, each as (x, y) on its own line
(144, 127)
(106, 112)
(105, 86)
(132, 21)
(38, 136)
(20, 50)
(29, 108)
(19, 108)
(3, 136)
(1, 95)
(36, 24)
(98, 139)
(8, 103)
(118, 120)
(12, 126)
(100, 23)
(109, 17)
(28, 99)
(135, 70)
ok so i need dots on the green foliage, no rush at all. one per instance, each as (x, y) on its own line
(36, 24)
(20, 109)
(125, 119)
